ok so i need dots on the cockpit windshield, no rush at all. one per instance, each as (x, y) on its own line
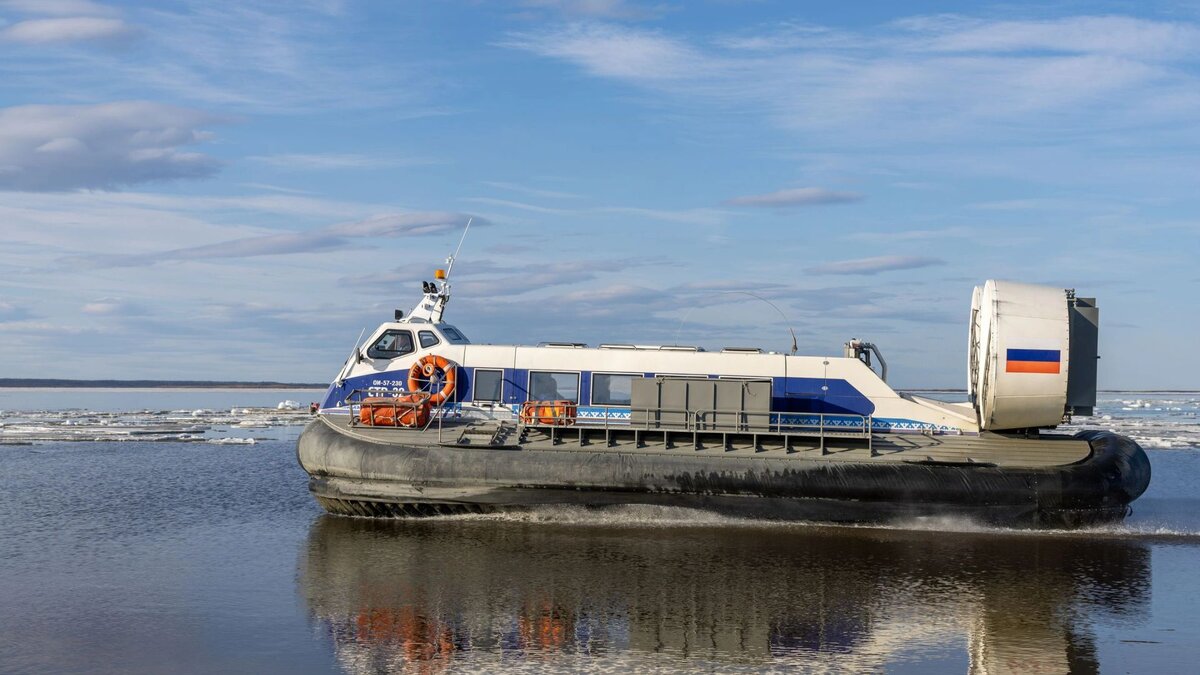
(392, 344)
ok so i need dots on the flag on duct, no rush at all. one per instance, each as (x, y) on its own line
(1033, 361)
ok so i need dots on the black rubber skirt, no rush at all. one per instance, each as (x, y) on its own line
(353, 476)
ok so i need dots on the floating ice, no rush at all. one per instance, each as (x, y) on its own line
(1163, 422)
(288, 405)
(183, 426)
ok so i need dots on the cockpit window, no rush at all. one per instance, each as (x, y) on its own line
(428, 338)
(453, 335)
(392, 344)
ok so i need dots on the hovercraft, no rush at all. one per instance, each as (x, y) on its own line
(422, 421)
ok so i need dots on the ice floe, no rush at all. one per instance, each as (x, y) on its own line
(227, 427)
(1166, 420)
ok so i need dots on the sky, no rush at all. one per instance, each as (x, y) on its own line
(234, 190)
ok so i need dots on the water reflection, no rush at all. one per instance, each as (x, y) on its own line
(420, 596)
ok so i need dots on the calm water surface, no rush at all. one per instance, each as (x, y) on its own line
(184, 557)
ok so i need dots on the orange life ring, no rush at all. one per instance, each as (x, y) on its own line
(426, 367)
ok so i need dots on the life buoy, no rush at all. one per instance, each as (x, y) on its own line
(425, 367)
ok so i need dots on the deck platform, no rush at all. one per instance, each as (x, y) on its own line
(985, 449)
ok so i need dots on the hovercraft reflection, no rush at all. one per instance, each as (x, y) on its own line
(420, 421)
(423, 596)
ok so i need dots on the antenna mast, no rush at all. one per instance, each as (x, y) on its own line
(437, 294)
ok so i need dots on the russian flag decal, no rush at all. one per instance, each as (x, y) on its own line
(1033, 361)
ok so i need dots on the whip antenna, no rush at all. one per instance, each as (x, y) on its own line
(787, 321)
(450, 260)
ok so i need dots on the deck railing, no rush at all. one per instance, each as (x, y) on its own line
(846, 426)
(719, 421)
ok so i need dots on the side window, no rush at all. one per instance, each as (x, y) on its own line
(454, 335)
(611, 389)
(392, 344)
(545, 386)
(428, 339)
(487, 384)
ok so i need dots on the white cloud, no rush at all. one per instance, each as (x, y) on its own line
(909, 82)
(940, 234)
(788, 35)
(597, 9)
(333, 161)
(618, 52)
(884, 263)
(699, 216)
(112, 307)
(68, 29)
(603, 299)
(520, 206)
(684, 216)
(256, 57)
(243, 56)
(276, 188)
(1114, 35)
(809, 196)
(57, 7)
(103, 146)
(533, 192)
(10, 312)
(308, 241)
(404, 224)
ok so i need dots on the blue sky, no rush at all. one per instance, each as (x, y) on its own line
(233, 190)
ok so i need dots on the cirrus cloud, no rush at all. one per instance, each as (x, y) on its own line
(606, 9)
(875, 265)
(332, 237)
(909, 81)
(68, 29)
(57, 7)
(807, 196)
(10, 312)
(112, 307)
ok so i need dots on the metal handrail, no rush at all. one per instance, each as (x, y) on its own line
(699, 422)
(651, 419)
(683, 420)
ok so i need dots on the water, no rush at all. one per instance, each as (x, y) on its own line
(155, 556)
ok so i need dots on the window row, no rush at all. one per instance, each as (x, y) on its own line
(607, 388)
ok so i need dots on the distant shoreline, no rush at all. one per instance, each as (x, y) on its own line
(31, 383)
(1101, 391)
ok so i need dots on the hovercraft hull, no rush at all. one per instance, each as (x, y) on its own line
(407, 474)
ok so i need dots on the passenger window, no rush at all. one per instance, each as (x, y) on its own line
(392, 344)
(428, 339)
(453, 335)
(487, 385)
(610, 389)
(544, 386)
